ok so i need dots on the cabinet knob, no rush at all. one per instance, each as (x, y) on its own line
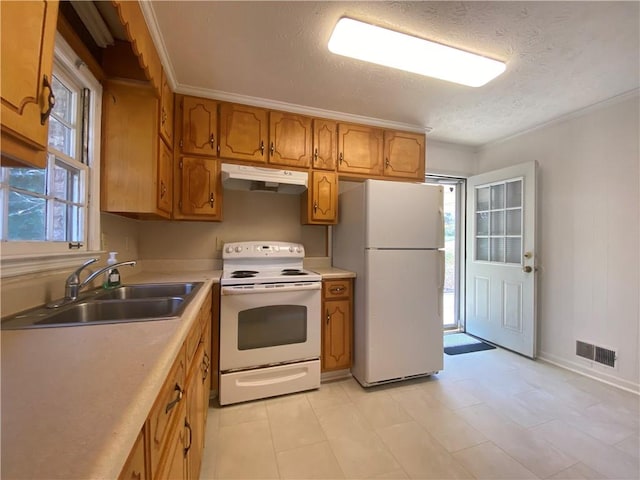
(175, 401)
(163, 189)
(212, 142)
(386, 163)
(164, 116)
(261, 148)
(336, 290)
(315, 154)
(211, 199)
(341, 157)
(315, 207)
(187, 425)
(328, 317)
(272, 148)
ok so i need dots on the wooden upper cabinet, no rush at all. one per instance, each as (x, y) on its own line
(136, 164)
(243, 132)
(199, 126)
(325, 144)
(200, 189)
(165, 176)
(404, 155)
(166, 112)
(359, 149)
(320, 204)
(290, 139)
(28, 35)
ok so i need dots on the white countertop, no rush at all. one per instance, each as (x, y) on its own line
(74, 398)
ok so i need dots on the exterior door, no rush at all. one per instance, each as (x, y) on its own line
(500, 279)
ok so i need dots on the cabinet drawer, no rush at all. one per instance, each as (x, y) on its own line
(165, 409)
(135, 468)
(337, 288)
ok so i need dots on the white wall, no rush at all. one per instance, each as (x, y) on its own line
(450, 159)
(588, 233)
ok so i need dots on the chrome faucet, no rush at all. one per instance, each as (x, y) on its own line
(73, 285)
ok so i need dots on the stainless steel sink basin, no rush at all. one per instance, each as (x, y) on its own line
(150, 290)
(115, 311)
(131, 303)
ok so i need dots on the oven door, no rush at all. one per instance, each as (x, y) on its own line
(269, 324)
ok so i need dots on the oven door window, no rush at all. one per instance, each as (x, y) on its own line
(271, 326)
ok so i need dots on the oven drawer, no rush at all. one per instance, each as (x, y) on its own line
(268, 382)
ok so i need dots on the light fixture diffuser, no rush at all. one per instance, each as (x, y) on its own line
(370, 43)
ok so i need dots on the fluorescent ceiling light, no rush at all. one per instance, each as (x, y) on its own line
(362, 41)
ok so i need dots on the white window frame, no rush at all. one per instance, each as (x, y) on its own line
(21, 258)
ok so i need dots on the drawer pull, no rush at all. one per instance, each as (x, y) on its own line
(188, 426)
(175, 401)
(336, 290)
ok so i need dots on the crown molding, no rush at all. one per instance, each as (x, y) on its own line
(152, 23)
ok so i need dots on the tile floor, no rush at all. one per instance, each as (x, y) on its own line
(489, 414)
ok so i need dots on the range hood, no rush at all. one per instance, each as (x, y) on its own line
(257, 179)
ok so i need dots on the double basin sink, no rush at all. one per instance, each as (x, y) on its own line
(130, 303)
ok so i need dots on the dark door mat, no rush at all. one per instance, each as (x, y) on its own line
(472, 347)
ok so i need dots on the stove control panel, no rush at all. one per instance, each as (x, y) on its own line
(262, 249)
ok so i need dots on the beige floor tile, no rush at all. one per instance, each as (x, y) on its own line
(245, 451)
(363, 456)
(532, 451)
(382, 410)
(630, 445)
(242, 412)
(579, 471)
(293, 423)
(445, 425)
(453, 395)
(211, 441)
(397, 475)
(420, 455)
(342, 421)
(327, 395)
(311, 461)
(488, 461)
(595, 454)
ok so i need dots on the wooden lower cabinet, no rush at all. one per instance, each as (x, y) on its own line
(337, 324)
(171, 442)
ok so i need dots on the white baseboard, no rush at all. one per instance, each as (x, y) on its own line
(588, 372)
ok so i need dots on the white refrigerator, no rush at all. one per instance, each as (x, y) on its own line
(391, 234)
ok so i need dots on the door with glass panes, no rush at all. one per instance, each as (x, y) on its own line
(500, 280)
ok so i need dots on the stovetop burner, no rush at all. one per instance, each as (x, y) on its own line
(243, 273)
(293, 271)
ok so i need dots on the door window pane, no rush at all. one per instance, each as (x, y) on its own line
(271, 326)
(497, 196)
(482, 223)
(482, 249)
(514, 222)
(497, 250)
(514, 250)
(497, 223)
(514, 194)
(482, 199)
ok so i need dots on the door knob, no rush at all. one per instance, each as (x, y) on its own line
(527, 269)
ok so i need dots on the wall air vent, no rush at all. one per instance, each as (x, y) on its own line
(592, 352)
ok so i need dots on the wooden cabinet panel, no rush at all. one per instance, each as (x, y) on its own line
(174, 465)
(200, 195)
(325, 144)
(199, 126)
(360, 149)
(166, 112)
(404, 155)
(196, 412)
(136, 468)
(243, 132)
(290, 139)
(28, 34)
(215, 337)
(136, 165)
(168, 406)
(320, 203)
(165, 183)
(337, 329)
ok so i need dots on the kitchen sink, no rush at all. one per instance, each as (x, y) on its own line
(130, 303)
(115, 311)
(150, 290)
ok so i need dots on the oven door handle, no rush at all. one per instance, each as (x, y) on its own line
(270, 288)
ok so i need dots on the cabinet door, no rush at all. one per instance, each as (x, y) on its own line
(404, 155)
(199, 126)
(360, 149)
(196, 414)
(174, 465)
(243, 132)
(135, 468)
(324, 190)
(169, 406)
(28, 34)
(165, 188)
(166, 112)
(290, 139)
(200, 187)
(325, 133)
(336, 342)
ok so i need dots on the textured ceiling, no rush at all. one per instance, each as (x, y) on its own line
(561, 57)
